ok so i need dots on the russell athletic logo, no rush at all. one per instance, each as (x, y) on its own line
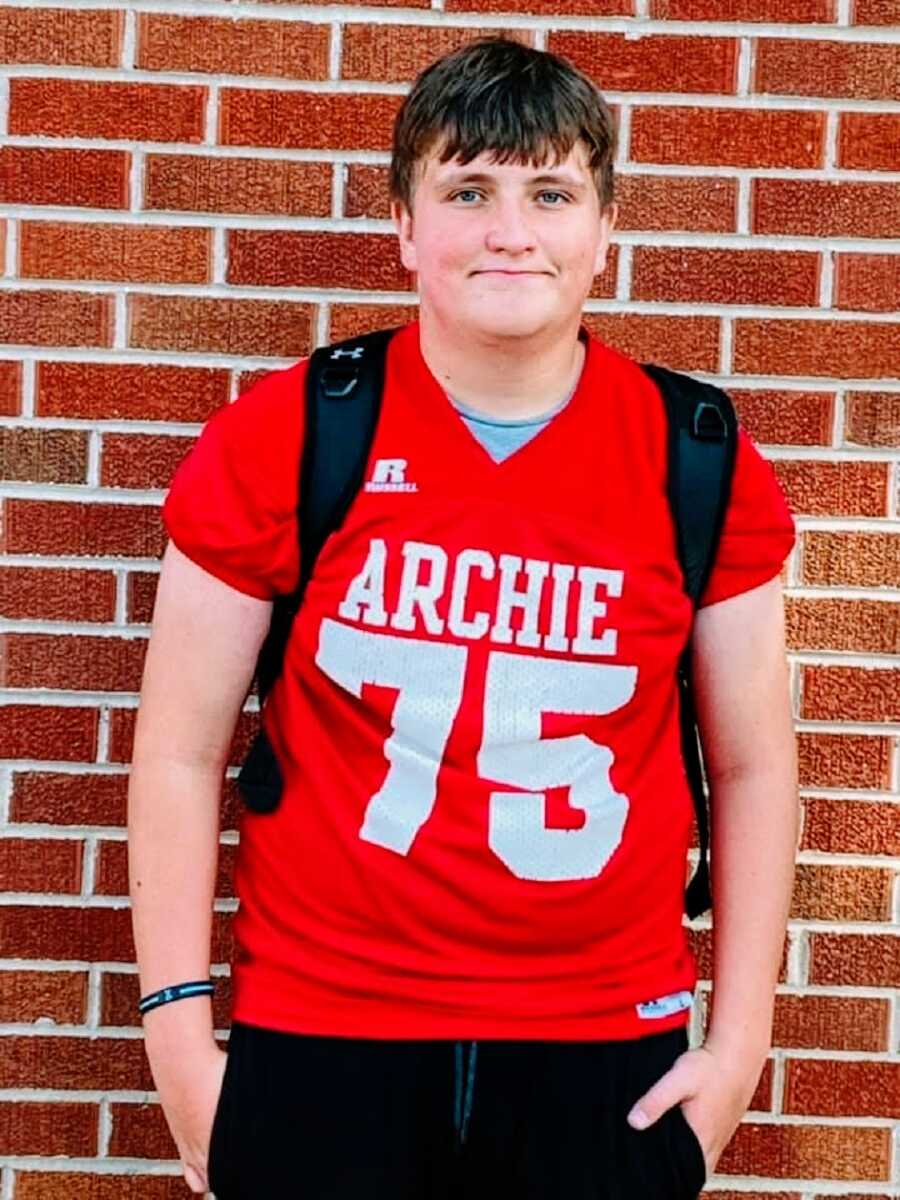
(389, 475)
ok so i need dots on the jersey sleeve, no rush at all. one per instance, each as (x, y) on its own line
(758, 532)
(232, 504)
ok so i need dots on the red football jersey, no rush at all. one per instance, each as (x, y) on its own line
(485, 818)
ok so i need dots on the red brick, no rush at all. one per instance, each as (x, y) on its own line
(823, 209)
(728, 137)
(43, 455)
(844, 349)
(851, 827)
(874, 12)
(829, 1087)
(661, 202)
(127, 253)
(854, 626)
(125, 391)
(141, 461)
(348, 320)
(697, 276)
(288, 259)
(839, 489)
(140, 596)
(66, 934)
(867, 282)
(854, 960)
(112, 869)
(682, 343)
(10, 384)
(108, 664)
(259, 327)
(873, 419)
(43, 732)
(66, 527)
(820, 1152)
(801, 12)
(47, 1127)
(140, 1131)
(397, 53)
(844, 760)
(220, 45)
(841, 893)
(852, 70)
(74, 1062)
(56, 1185)
(47, 594)
(120, 993)
(60, 37)
(88, 798)
(29, 996)
(81, 178)
(149, 112)
(309, 120)
(56, 318)
(121, 735)
(851, 559)
(851, 694)
(41, 864)
(652, 63)
(785, 418)
(561, 8)
(197, 183)
(868, 141)
(831, 1023)
(366, 191)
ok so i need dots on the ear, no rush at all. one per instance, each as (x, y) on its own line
(607, 224)
(403, 223)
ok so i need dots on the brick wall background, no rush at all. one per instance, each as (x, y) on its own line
(191, 192)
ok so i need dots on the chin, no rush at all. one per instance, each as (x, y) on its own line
(511, 320)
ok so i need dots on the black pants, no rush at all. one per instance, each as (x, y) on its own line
(324, 1118)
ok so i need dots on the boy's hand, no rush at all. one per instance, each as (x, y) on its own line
(714, 1090)
(189, 1084)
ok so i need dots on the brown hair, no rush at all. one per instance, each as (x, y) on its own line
(496, 95)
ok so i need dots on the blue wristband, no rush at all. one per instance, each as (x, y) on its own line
(178, 991)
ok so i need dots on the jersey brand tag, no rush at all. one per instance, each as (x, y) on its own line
(389, 475)
(665, 1006)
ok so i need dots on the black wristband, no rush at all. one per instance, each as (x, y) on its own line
(178, 991)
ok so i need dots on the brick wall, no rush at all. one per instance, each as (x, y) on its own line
(192, 191)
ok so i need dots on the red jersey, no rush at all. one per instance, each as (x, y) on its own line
(485, 818)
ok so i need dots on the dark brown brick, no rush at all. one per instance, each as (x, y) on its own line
(43, 455)
(125, 391)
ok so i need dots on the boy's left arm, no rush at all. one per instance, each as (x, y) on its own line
(742, 693)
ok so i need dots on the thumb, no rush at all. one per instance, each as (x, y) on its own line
(665, 1094)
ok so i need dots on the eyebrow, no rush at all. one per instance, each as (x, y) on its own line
(554, 178)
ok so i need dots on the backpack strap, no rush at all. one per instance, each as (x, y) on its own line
(343, 390)
(701, 453)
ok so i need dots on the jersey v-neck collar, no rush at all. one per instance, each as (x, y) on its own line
(432, 401)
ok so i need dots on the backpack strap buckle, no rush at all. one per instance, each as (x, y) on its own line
(338, 382)
(709, 423)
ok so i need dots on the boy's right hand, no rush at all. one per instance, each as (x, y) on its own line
(189, 1082)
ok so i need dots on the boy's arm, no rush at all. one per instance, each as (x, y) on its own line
(742, 694)
(744, 714)
(200, 661)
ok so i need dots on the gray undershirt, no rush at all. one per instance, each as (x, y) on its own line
(502, 437)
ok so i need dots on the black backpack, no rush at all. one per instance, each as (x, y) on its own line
(344, 383)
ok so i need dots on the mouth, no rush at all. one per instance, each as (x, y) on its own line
(511, 274)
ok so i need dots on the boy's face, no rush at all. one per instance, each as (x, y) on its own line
(504, 250)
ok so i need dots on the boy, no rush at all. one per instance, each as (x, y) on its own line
(460, 964)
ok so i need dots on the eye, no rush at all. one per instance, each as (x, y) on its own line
(466, 195)
(554, 199)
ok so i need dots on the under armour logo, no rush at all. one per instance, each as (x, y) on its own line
(356, 352)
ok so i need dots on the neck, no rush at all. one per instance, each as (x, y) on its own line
(503, 377)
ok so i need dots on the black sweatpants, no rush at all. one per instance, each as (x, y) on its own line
(326, 1118)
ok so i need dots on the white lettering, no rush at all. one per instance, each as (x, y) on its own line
(417, 593)
(365, 595)
(590, 609)
(466, 562)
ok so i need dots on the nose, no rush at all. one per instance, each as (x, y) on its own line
(509, 230)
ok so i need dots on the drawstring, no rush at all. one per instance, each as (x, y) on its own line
(464, 1087)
